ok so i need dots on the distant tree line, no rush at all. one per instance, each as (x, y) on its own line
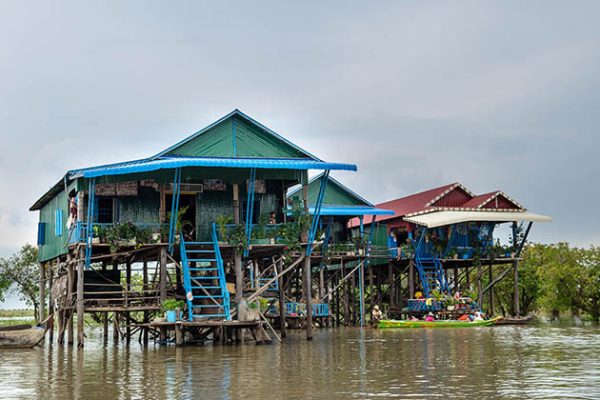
(555, 279)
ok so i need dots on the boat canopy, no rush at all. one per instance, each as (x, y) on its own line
(442, 218)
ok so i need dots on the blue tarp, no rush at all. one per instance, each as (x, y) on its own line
(181, 162)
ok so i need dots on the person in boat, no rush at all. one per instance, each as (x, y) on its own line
(464, 317)
(478, 316)
(430, 317)
(376, 315)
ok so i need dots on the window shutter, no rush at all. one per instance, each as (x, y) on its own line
(58, 222)
(41, 233)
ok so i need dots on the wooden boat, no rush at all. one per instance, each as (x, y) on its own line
(515, 320)
(393, 324)
(23, 336)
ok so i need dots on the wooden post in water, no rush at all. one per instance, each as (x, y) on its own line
(456, 279)
(279, 267)
(491, 293)
(70, 283)
(80, 305)
(163, 287)
(104, 314)
(42, 287)
(127, 293)
(50, 303)
(145, 289)
(516, 305)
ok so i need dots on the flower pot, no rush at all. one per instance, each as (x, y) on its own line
(156, 237)
(450, 308)
(171, 315)
(96, 240)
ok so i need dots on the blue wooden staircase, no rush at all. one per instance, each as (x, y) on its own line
(204, 279)
(431, 271)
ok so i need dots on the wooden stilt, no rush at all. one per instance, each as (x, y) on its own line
(308, 297)
(70, 283)
(411, 280)
(80, 304)
(42, 287)
(163, 274)
(115, 328)
(491, 291)
(479, 287)
(51, 303)
(128, 290)
(516, 304)
(146, 313)
(279, 267)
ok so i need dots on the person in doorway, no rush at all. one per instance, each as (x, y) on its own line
(272, 218)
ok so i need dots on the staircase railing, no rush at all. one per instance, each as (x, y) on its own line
(221, 273)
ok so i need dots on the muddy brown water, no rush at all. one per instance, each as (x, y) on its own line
(541, 361)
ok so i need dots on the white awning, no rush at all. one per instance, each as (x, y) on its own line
(442, 218)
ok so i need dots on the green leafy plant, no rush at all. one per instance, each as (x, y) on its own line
(172, 305)
(222, 222)
(180, 223)
(238, 238)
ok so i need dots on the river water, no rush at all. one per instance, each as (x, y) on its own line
(540, 361)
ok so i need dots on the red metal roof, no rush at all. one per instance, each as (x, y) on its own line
(408, 205)
(454, 196)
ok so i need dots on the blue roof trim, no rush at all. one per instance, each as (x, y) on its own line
(246, 117)
(351, 211)
(181, 162)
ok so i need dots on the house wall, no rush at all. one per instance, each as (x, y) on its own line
(55, 245)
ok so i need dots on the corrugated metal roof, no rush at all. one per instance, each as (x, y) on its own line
(181, 162)
(336, 193)
(350, 211)
(443, 218)
(186, 147)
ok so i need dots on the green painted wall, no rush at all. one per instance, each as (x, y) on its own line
(55, 245)
(143, 209)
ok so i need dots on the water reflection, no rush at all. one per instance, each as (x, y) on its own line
(499, 362)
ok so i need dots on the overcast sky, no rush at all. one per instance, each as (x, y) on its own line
(496, 95)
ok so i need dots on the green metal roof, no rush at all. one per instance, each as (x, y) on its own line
(236, 135)
(335, 193)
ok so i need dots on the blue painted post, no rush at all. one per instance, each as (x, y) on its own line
(250, 208)
(361, 279)
(90, 222)
(174, 209)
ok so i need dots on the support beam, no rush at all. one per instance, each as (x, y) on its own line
(239, 279)
(308, 297)
(80, 306)
(411, 279)
(42, 290)
(281, 298)
(516, 304)
(50, 304)
(70, 283)
(163, 274)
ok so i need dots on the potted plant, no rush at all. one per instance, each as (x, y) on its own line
(171, 307)
(259, 233)
(238, 238)
(222, 222)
